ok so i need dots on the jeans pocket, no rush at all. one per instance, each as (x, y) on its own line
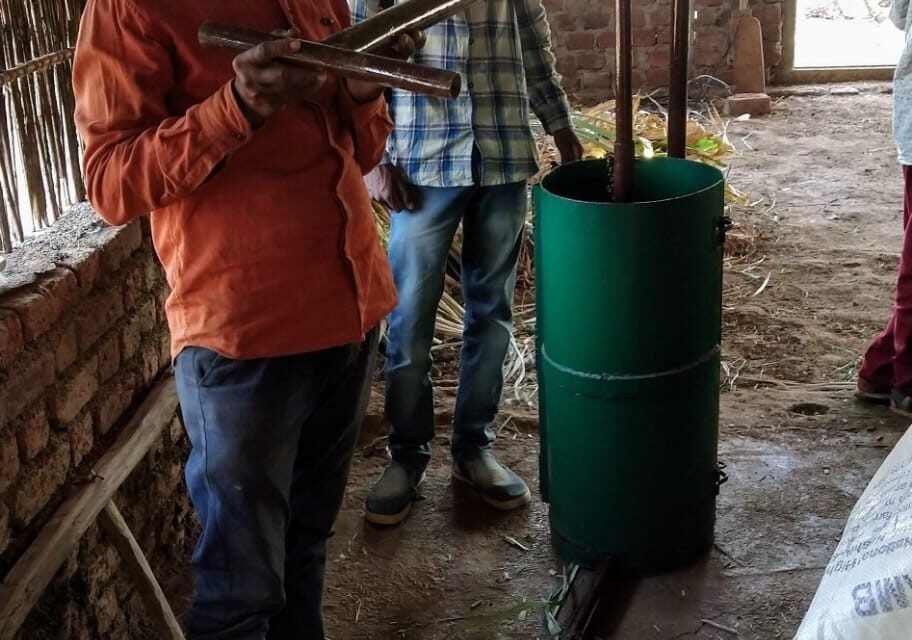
(207, 364)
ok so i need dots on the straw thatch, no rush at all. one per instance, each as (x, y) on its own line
(707, 139)
(39, 147)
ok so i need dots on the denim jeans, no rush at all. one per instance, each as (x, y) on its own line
(272, 441)
(492, 223)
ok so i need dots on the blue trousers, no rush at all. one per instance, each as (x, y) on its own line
(272, 440)
(492, 223)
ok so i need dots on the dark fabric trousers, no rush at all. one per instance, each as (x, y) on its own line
(272, 441)
(888, 361)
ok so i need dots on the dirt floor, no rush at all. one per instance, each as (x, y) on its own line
(807, 284)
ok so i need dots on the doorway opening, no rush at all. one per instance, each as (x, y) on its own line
(838, 34)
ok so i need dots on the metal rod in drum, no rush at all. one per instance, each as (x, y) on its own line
(386, 72)
(382, 29)
(677, 82)
(623, 140)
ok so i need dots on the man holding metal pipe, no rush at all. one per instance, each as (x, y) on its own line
(450, 162)
(252, 171)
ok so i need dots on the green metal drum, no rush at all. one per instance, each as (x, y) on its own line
(629, 325)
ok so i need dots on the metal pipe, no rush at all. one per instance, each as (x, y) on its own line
(623, 100)
(387, 72)
(382, 29)
(677, 82)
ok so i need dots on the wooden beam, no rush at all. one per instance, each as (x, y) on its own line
(31, 575)
(42, 63)
(160, 614)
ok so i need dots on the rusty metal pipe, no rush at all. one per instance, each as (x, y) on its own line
(623, 100)
(677, 82)
(381, 30)
(387, 72)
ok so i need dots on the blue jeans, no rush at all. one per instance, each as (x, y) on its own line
(492, 223)
(272, 440)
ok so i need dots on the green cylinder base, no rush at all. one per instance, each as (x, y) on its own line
(643, 487)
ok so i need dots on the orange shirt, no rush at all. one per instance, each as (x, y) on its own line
(267, 237)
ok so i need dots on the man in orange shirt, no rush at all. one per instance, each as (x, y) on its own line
(252, 171)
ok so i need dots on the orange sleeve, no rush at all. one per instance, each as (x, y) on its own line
(370, 126)
(138, 156)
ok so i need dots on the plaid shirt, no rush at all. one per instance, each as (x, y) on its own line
(502, 49)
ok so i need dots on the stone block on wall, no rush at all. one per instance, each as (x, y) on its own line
(98, 314)
(86, 265)
(39, 481)
(109, 356)
(79, 386)
(9, 460)
(82, 437)
(39, 306)
(125, 241)
(113, 401)
(135, 281)
(4, 528)
(11, 339)
(33, 434)
(67, 350)
(34, 374)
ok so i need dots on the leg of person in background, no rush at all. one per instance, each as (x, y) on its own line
(492, 237)
(886, 369)
(419, 244)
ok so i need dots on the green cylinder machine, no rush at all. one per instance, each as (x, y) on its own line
(629, 323)
(628, 294)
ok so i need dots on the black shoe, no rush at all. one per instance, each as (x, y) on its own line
(391, 498)
(901, 403)
(869, 392)
(498, 486)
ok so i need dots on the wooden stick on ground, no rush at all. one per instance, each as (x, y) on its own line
(580, 608)
(33, 572)
(160, 614)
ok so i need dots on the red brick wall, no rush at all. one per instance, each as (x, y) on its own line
(583, 36)
(79, 348)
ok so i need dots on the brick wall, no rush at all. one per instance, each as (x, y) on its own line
(583, 37)
(79, 348)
